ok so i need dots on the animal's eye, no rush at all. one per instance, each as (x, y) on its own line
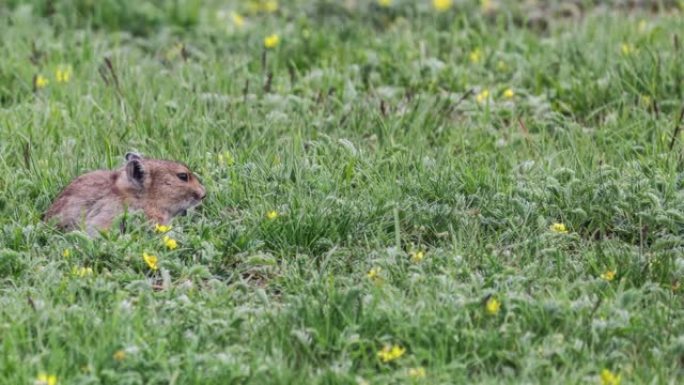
(182, 176)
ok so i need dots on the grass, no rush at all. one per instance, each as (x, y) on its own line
(369, 132)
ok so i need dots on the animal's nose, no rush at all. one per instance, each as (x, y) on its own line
(200, 194)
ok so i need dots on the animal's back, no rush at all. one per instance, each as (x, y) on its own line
(85, 197)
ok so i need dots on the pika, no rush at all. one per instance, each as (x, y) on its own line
(160, 189)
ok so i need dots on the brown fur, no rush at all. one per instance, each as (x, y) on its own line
(152, 186)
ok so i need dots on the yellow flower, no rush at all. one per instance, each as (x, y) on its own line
(151, 261)
(558, 228)
(271, 41)
(238, 20)
(62, 74)
(46, 379)
(641, 27)
(270, 6)
(81, 271)
(493, 306)
(486, 5)
(384, 3)
(609, 378)
(374, 275)
(609, 275)
(442, 5)
(226, 158)
(417, 256)
(41, 81)
(119, 355)
(475, 56)
(271, 215)
(170, 243)
(482, 96)
(66, 253)
(390, 353)
(509, 93)
(417, 372)
(161, 228)
(626, 49)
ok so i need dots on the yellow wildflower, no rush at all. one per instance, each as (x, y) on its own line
(238, 20)
(226, 158)
(271, 215)
(609, 378)
(271, 41)
(475, 56)
(170, 243)
(40, 81)
(641, 27)
(442, 5)
(509, 93)
(482, 96)
(46, 379)
(81, 271)
(119, 355)
(626, 49)
(161, 228)
(418, 372)
(151, 261)
(66, 253)
(62, 74)
(384, 3)
(492, 306)
(417, 256)
(558, 228)
(374, 274)
(609, 275)
(391, 353)
(270, 6)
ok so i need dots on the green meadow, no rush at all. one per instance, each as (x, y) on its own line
(398, 192)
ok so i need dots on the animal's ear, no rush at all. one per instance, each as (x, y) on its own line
(132, 155)
(135, 171)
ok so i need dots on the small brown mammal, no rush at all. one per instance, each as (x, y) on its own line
(159, 188)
